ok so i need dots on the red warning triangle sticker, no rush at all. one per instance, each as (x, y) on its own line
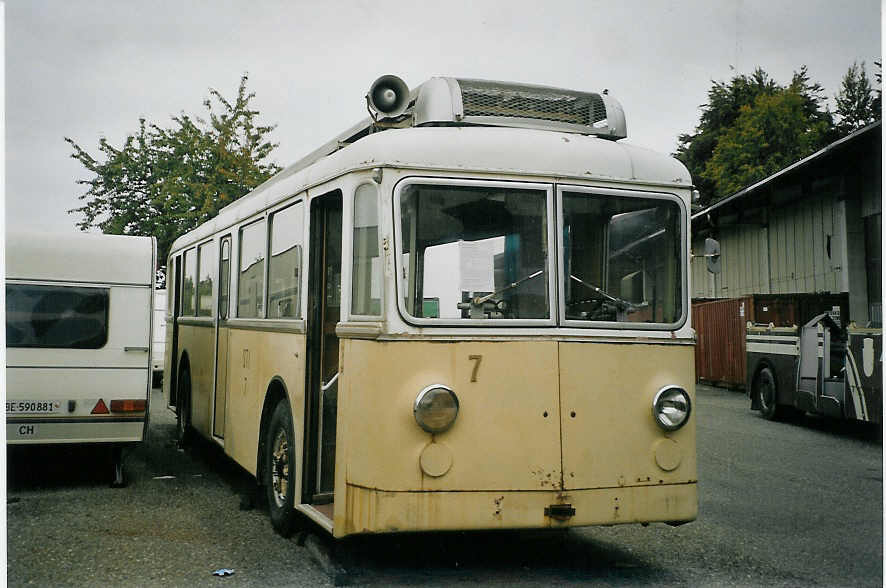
(100, 407)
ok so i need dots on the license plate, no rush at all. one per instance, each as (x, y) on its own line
(32, 406)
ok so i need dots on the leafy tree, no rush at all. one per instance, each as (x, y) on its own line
(163, 182)
(857, 103)
(772, 133)
(727, 103)
(722, 109)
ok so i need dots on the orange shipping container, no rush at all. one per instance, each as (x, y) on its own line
(720, 350)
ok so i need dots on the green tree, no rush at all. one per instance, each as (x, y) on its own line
(163, 182)
(727, 103)
(857, 103)
(775, 131)
(723, 107)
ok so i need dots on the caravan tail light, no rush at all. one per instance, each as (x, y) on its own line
(128, 405)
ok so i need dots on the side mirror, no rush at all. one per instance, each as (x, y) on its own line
(712, 255)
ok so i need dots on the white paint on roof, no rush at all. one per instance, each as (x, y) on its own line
(83, 257)
(495, 150)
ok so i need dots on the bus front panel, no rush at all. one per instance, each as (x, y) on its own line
(541, 424)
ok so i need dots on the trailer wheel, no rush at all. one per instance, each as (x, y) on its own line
(279, 470)
(118, 479)
(183, 410)
(767, 395)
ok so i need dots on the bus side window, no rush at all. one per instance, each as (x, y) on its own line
(284, 269)
(224, 278)
(189, 270)
(250, 284)
(206, 261)
(366, 268)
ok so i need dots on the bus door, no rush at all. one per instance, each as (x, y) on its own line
(324, 305)
(172, 341)
(221, 339)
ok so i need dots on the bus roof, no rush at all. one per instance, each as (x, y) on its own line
(484, 150)
(79, 257)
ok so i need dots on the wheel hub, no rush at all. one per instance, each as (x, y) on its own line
(766, 394)
(280, 468)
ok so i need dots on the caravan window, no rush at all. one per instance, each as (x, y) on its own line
(56, 316)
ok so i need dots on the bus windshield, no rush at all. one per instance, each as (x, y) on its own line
(621, 258)
(472, 252)
(481, 252)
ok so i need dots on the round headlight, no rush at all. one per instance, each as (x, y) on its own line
(671, 408)
(435, 408)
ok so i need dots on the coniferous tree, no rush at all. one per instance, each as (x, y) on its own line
(857, 103)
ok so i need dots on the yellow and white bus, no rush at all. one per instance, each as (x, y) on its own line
(469, 311)
(78, 339)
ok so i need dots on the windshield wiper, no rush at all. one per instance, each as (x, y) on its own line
(620, 303)
(488, 304)
(482, 299)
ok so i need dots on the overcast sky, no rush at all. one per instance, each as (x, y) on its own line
(87, 69)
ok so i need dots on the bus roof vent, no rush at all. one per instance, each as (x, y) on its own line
(444, 101)
(482, 102)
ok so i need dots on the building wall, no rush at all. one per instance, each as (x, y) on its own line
(806, 243)
(801, 250)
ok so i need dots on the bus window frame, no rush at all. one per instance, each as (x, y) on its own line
(184, 258)
(213, 274)
(239, 232)
(684, 260)
(349, 253)
(224, 312)
(270, 218)
(550, 268)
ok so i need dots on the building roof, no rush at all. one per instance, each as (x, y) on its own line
(816, 158)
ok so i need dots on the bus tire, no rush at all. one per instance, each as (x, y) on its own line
(279, 470)
(183, 410)
(767, 395)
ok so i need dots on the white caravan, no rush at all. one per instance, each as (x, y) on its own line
(78, 339)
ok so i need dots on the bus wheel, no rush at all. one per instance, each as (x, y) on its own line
(279, 470)
(767, 395)
(183, 418)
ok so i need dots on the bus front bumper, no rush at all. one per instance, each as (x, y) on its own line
(379, 511)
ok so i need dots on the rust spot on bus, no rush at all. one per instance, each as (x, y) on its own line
(498, 501)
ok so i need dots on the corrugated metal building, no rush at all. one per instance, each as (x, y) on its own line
(814, 226)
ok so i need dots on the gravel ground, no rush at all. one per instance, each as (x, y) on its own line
(780, 504)
(66, 527)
